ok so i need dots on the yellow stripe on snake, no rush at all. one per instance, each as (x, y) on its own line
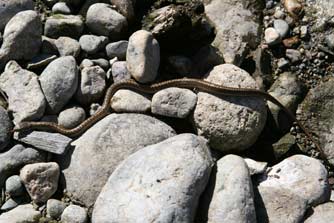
(188, 83)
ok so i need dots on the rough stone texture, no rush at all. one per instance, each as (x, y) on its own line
(174, 102)
(74, 214)
(100, 150)
(92, 44)
(15, 158)
(279, 205)
(256, 167)
(54, 208)
(67, 46)
(21, 214)
(102, 19)
(230, 123)
(236, 28)
(322, 213)
(289, 91)
(63, 25)
(92, 85)
(324, 10)
(303, 176)
(59, 82)
(14, 186)
(143, 56)
(229, 196)
(22, 37)
(5, 127)
(71, 117)
(119, 71)
(11, 8)
(159, 183)
(117, 49)
(125, 7)
(46, 141)
(40, 180)
(130, 101)
(25, 97)
(320, 101)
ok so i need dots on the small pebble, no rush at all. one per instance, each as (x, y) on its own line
(293, 55)
(272, 36)
(74, 213)
(282, 27)
(282, 63)
(293, 7)
(54, 208)
(303, 31)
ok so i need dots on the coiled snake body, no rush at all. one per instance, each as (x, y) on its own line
(188, 83)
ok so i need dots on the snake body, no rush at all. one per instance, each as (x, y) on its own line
(188, 83)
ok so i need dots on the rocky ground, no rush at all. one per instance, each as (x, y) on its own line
(178, 155)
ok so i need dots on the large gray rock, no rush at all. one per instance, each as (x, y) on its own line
(63, 25)
(21, 214)
(22, 37)
(9, 9)
(92, 44)
(174, 102)
(119, 71)
(15, 158)
(303, 176)
(59, 81)
(230, 123)
(143, 56)
(102, 19)
(71, 117)
(5, 128)
(232, 197)
(236, 27)
(67, 46)
(125, 100)
(322, 213)
(159, 183)
(40, 180)
(100, 150)
(25, 96)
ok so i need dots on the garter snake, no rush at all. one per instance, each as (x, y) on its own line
(188, 83)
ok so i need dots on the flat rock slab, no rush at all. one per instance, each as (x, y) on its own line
(51, 142)
(100, 150)
(159, 183)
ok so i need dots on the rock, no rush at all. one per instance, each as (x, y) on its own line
(228, 203)
(180, 65)
(120, 72)
(21, 214)
(63, 25)
(86, 63)
(71, 117)
(61, 8)
(301, 175)
(229, 123)
(103, 63)
(169, 193)
(25, 96)
(74, 214)
(293, 55)
(303, 31)
(51, 142)
(130, 101)
(54, 208)
(256, 167)
(174, 102)
(143, 56)
(282, 27)
(279, 205)
(22, 37)
(283, 146)
(11, 8)
(322, 213)
(126, 8)
(329, 39)
(272, 36)
(67, 46)
(5, 127)
(40, 180)
(92, 85)
(14, 186)
(92, 44)
(115, 138)
(293, 7)
(282, 63)
(289, 91)
(117, 49)
(319, 101)
(15, 158)
(291, 42)
(103, 20)
(236, 27)
(10, 204)
(59, 82)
